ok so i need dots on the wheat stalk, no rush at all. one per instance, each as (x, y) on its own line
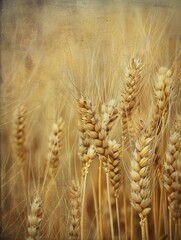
(88, 158)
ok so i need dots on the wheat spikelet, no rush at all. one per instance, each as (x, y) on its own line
(75, 210)
(141, 176)
(129, 97)
(113, 165)
(20, 135)
(34, 218)
(109, 115)
(172, 172)
(54, 148)
(87, 159)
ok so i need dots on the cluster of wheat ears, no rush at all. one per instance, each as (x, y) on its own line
(111, 166)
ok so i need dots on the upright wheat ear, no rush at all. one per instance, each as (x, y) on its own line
(34, 219)
(172, 172)
(162, 91)
(75, 213)
(84, 141)
(129, 98)
(141, 178)
(20, 135)
(113, 165)
(54, 148)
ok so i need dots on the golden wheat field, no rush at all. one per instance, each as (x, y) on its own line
(90, 120)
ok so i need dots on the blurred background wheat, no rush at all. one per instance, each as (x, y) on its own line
(85, 107)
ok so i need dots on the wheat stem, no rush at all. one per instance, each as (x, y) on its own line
(110, 208)
(118, 218)
(142, 224)
(155, 209)
(160, 210)
(132, 223)
(95, 205)
(146, 228)
(82, 206)
(100, 199)
(124, 194)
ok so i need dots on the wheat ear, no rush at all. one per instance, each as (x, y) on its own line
(84, 142)
(75, 210)
(141, 179)
(172, 175)
(114, 169)
(19, 142)
(129, 98)
(20, 135)
(162, 91)
(53, 158)
(54, 148)
(34, 218)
